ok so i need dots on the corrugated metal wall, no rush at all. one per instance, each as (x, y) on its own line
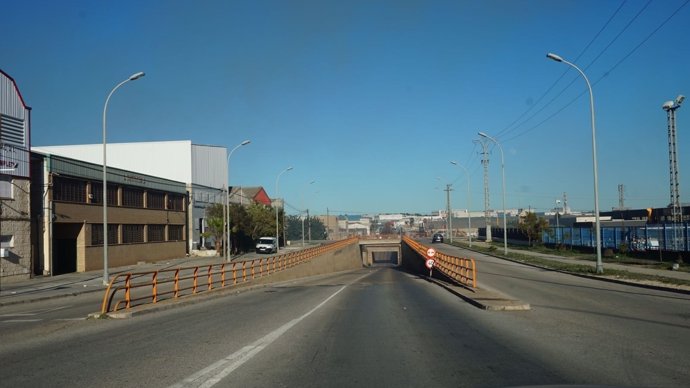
(14, 129)
(209, 165)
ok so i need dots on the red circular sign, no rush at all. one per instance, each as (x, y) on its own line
(431, 252)
(430, 263)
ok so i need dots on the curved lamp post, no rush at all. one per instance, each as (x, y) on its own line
(503, 173)
(469, 201)
(106, 279)
(600, 266)
(277, 196)
(226, 208)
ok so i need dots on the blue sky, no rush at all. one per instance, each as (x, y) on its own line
(372, 99)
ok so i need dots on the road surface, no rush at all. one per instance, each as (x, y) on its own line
(373, 327)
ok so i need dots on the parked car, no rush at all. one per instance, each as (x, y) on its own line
(438, 237)
(267, 245)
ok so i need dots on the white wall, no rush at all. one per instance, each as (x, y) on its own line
(167, 159)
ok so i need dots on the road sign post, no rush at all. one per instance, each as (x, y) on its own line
(431, 252)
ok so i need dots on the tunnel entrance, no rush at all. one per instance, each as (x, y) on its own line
(380, 251)
(385, 258)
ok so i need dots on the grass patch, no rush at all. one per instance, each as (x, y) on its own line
(584, 269)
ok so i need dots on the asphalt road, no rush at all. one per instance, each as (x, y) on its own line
(373, 327)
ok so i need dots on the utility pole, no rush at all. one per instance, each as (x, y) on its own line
(449, 212)
(565, 203)
(670, 108)
(485, 162)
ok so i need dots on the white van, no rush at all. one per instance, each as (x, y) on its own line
(267, 245)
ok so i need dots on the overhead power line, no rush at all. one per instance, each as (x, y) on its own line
(606, 74)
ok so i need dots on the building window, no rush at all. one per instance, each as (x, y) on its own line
(7, 241)
(5, 187)
(175, 233)
(155, 200)
(69, 190)
(132, 234)
(133, 197)
(156, 233)
(97, 194)
(97, 234)
(176, 202)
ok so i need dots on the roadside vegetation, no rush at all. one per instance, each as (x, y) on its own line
(496, 249)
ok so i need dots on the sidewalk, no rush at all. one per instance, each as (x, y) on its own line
(71, 284)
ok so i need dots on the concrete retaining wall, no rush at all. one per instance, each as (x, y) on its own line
(342, 259)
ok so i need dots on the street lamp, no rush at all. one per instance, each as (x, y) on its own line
(226, 207)
(469, 201)
(106, 280)
(312, 182)
(670, 108)
(277, 233)
(600, 266)
(503, 173)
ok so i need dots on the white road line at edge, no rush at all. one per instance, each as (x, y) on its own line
(220, 369)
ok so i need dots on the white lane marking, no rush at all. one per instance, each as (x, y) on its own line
(220, 369)
(21, 320)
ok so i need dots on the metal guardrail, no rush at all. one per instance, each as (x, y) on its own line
(463, 271)
(127, 290)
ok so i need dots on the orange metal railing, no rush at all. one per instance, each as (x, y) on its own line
(127, 290)
(462, 270)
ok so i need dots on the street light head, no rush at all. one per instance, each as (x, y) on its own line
(680, 99)
(136, 76)
(245, 142)
(453, 162)
(482, 134)
(554, 57)
(668, 105)
(289, 168)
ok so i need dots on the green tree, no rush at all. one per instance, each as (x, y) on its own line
(240, 225)
(294, 228)
(262, 221)
(215, 230)
(532, 226)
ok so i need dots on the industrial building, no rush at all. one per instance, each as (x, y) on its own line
(202, 168)
(15, 211)
(147, 216)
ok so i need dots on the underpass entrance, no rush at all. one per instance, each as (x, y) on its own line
(380, 252)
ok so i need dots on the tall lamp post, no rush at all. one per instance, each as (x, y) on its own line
(503, 174)
(469, 201)
(670, 108)
(277, 196)
(226, 207)
(600, 266)
(302, 204)
(106, 279)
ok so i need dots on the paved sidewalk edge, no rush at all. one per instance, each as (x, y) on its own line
(484, 299)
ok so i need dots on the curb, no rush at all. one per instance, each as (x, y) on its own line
(484, 299)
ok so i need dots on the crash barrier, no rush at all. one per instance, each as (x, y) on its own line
(127, 290)
(461, 270)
